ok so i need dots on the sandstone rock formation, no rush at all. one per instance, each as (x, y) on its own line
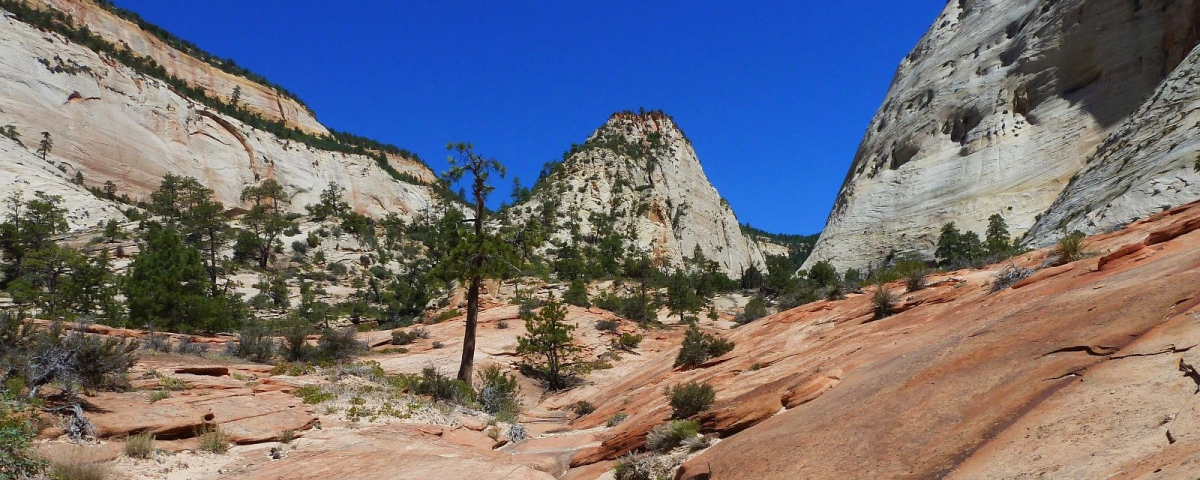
(1150, 163)
(994, 111)
(642, 170)
(111, 123)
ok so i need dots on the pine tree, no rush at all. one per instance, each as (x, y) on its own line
(681, 295)
(997, 239)
(480, 255)
(266, 219)
(45, 145)
(549, 346)
(166, 284)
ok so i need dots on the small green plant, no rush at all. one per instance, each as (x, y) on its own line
(669, 435)
(213, 440)
(610, 326)
(140, 445)
(690, 398)
(172, 383)
(401, 337)
(583, 407)
(447, 315)
(627, 341)
(883, 301)
(313, 394)
(698, 347)
(433, 383)
(159, 395)
(1070, 248)
(914, 278)
(437, 344)
(286, 436)
(498, 393)
(616, 419)
(502, 324)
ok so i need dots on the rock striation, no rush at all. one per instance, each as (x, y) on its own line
(641, 170)
(996, 108)
(112, 123)
(1150, 163)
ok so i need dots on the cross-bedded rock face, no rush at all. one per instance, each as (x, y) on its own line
(641, 170)
(994, 111)
(111, 123)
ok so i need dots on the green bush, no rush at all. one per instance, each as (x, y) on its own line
(627, 341)
(914, 278)
(432, 383)
(576, 294)
(667, 436)
(583, 407)
(690, 398)
(698, 347)
(498, 392)
(339, 344)
(755, 309)
(17, 458)
(253, 343)
(616, 419)
(313, 394)
(610, 326)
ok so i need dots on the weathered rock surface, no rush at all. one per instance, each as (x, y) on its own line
(642, 169)
(1150, 163)
(113, 124)
(389, 451)
(998, 106)
(1084, 372)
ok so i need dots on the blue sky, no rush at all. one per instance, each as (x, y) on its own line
(775, 96)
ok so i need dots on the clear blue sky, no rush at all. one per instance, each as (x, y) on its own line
(775, 95)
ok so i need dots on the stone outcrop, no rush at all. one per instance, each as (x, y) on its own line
(1150, 163)
(111, 123)
(996, 108)
(642, 170)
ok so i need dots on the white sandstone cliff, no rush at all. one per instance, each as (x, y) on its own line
(994, 111)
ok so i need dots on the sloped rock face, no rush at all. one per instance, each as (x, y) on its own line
(1149, 164)
(111, 123)
(1081, 371)
(994, 111)
(641, 169)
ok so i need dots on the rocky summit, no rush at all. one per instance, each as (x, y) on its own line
(639, 175)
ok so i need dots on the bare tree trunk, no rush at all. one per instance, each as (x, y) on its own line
(468, 353)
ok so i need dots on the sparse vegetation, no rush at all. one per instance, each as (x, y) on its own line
(1009, 276)
(672, 434)
(1069, 248)
(698, 347)
(755, 309)
(690, 398)
(583, 407)
(313, 394)
(139, 445)
(498, 392)
(213, 440)
(616, 419)
(883, 301)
